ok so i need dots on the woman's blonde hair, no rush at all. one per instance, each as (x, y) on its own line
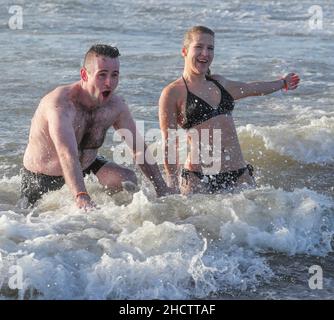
(188, 37)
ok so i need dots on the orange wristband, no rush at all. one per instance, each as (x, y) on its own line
(82, 193)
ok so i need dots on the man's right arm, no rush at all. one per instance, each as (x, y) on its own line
(60, 121)
(168, 126)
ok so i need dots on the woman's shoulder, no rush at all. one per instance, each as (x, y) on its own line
(174, 88)
(173, 94)
(218, 77)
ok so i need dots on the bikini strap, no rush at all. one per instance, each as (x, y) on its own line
(219, 85)
(185, 82)
(216, 82)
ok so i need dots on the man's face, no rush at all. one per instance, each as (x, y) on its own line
(200, 52)
(102, 78)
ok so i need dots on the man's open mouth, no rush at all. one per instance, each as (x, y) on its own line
(106, 93)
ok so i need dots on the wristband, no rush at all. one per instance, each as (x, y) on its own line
(285, 84)
(82, 193)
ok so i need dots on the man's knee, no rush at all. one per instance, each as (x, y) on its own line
(131, 176)
(127, 181)
(113, 178)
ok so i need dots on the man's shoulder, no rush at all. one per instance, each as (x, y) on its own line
(58, 101)
(117, 103)
(60, 94)
(117, 99)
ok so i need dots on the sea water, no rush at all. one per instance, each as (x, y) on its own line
(255, 244)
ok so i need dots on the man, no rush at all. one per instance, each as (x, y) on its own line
(68, 128)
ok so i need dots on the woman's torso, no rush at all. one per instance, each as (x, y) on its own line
(205, 114)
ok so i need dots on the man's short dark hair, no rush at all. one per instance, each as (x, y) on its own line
(101, 50)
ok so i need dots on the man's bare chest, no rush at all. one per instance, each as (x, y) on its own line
(91, 129)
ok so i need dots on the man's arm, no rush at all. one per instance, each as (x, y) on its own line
(168, 126)
(240, 90)
(143, 157)
(60, 121)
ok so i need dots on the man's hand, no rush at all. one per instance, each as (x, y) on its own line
(291, 81)
(83, 201)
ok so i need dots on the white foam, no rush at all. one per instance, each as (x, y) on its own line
(170, 248)
(290, 222)
(310, 143)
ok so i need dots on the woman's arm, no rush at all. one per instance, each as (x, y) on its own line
(168, 126)
(240, 90)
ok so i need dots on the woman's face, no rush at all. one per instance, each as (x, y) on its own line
(199, 55)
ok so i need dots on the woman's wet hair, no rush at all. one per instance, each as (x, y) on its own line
(188, 37)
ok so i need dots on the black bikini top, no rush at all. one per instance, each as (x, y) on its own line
(198, 110)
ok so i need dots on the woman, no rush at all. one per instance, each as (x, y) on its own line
(202, 105)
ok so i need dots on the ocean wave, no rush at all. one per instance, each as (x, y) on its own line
(309, 143)
(169, 248)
